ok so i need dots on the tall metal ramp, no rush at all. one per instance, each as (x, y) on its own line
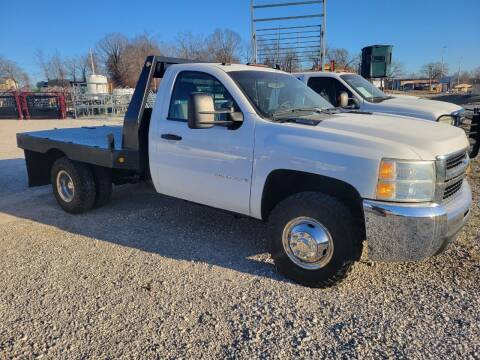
(290, 34)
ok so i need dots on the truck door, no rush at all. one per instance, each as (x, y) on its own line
(208, 166)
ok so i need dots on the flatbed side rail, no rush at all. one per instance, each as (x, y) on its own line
(40, 153)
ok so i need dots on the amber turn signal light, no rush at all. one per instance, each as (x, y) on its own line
(387, 170)
(385, 190)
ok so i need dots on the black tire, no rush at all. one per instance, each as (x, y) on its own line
(103, 184)
(84, 192)
(336, 218)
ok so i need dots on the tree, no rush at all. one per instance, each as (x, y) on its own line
(476, 74)
(77, 67)
(414, 75)
(465, 77)
(134, 56)
(71, 68)
(224, 46)
(110, 50)
(190, 46)
(57, 68)
(42, 63)
(395, 70)
(84, 65)
(434, 70)
(343, 59)
(289, 62)
(286, 59)
(247, 52)
(10, 70)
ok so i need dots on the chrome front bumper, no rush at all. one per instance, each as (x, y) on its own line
(411, 232)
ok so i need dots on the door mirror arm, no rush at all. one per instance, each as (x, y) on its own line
(356, 103)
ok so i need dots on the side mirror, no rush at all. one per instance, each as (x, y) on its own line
(356, 103)
(201, 113)
(343, 99)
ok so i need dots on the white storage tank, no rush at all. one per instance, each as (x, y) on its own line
(97, 84)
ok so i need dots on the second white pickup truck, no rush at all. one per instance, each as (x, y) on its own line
(352, 90)
(260, 143)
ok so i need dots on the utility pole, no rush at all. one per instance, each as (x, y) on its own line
(443, 68)
(254, 36)
(322, 34)
(443, 64)
(459, 65)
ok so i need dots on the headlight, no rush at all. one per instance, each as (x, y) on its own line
(406, 181)
(446, 119)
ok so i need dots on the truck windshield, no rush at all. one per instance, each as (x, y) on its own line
(364, 88)
(273, 93)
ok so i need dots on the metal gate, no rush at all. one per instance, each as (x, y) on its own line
(43, 106)
(28, 105)
(9, 106)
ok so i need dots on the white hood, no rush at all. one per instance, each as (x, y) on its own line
(426, 139)
(415, 107)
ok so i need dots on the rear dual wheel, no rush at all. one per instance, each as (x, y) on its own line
(77, 187)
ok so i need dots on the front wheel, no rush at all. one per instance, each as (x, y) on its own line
(314, 239)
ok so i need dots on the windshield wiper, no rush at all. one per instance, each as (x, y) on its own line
(379, 98)
(295, 111)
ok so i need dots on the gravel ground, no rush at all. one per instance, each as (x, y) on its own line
(153, 277)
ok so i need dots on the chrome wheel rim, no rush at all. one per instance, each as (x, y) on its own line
(307, 243)
(65, 186)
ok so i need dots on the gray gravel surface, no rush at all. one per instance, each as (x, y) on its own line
(154, 277)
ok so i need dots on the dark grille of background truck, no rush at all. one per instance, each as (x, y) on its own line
(471, 125)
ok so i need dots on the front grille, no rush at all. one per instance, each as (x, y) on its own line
(455, 167)
(455, 160)
(453, 188)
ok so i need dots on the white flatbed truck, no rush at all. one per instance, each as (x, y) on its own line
(260, 143)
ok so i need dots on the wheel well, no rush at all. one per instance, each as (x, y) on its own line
(39, 166)
(280, 184)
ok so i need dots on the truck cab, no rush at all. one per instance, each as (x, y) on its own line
(364, 96)
(258, 142)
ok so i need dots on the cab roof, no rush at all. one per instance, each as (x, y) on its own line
(235, 67)
(322, 73)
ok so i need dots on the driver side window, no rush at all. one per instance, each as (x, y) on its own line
(189, 82)
(329, 88)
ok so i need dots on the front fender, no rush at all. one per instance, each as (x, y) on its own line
(352, 164)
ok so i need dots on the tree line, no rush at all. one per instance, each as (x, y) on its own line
(121, 58)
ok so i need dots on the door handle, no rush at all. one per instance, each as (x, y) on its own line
(171, 137)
